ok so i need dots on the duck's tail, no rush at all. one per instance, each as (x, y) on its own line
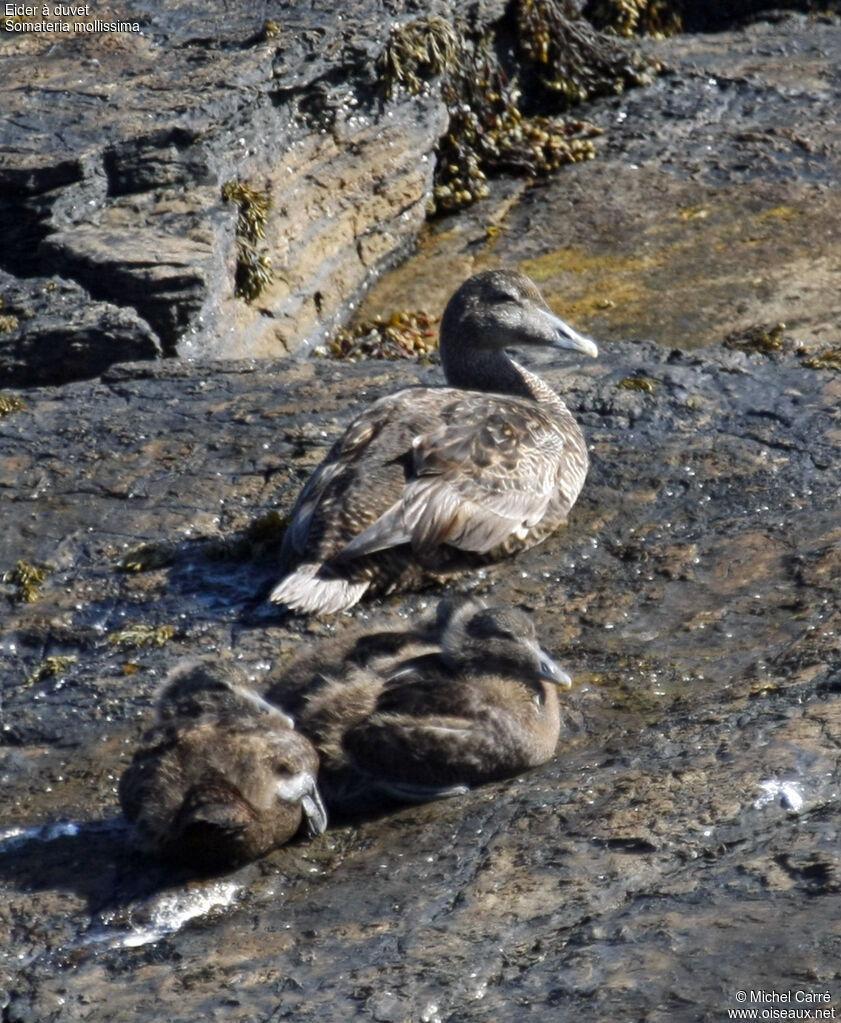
(308, 590)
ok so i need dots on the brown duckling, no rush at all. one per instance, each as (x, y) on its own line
(223, 777)
(468, 698)
(431, 480)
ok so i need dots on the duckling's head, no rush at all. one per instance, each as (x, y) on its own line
(499, 309)
(242, 790)
(209, 686)
(498, 639)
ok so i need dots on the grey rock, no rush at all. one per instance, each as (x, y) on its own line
(694, 597)
(55, 332)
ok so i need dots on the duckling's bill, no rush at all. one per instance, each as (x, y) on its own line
(552, 672)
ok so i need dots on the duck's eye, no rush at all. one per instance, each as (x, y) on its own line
(499, 297)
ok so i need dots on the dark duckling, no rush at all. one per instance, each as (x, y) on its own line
(468, 698)
(223, 777)
(429, 481)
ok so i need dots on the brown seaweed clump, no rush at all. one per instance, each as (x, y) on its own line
(260, 539)
(656, 18)
(638, 383)
(137, 635)
(8, 322)
(51, 667)
(764, 338)
(147, 557)
(510, 118)
(27, 580)
(829, 358)
(10, 403)
(254, 265)
(572, 58)
(417, 52)
(488, 132)
(404, 335)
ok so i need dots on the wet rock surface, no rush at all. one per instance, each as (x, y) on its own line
(680, 847)
(56, 331)
(116, 146)
(683, 845)
(712, 204)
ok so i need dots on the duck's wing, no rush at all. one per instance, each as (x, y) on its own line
(361, 470)
(433, 751)
(485, 475)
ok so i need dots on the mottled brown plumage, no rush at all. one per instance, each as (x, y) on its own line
(222, 778)
(429, 481)
(467, 698)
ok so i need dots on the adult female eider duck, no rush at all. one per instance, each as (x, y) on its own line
(428, 481)
(222, 778)
(468, 698)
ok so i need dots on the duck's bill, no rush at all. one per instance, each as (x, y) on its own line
(566, 337)
(569, 338)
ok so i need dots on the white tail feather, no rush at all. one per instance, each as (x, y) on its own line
(308, 593)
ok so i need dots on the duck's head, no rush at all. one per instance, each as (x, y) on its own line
(499, 309)
(500, 640)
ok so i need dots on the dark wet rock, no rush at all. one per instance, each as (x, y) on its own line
(55, 332)
(116, 148)
(694, 797)
(683, 845)
(712, 206)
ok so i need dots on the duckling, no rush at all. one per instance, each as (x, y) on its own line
(468, 698)
(432, 480)
(222, 778)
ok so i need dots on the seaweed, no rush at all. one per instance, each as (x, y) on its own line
(147, 557)
(138, 635)
(10, 403)
(254, 265)
(573, 59)
(638, 383)
(8, 322)
(657, 18)
(764, 338)
(829, 358)
(507, 99)
(417, 51)
(259, 538)
(28, 580)
(404, 335)
(51, 667)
